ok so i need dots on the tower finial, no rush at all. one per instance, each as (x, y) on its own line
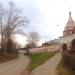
(69, 10)
(70, 13)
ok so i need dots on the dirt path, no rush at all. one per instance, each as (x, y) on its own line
(49, 67)
(15, 67)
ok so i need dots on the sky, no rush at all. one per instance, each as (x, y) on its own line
(47, 17)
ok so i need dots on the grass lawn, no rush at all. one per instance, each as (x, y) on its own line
(64, 70)
(39, 58)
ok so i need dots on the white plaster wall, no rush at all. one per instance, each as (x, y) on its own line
(67, 40)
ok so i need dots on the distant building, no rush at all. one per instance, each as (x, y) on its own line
(51, 43)
(46, 44)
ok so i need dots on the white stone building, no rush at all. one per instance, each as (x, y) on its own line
(68, 33)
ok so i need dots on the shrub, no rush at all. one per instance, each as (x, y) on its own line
(69, 59)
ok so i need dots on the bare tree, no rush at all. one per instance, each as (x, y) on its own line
(33, 38)
(11, 20)
(1, 24)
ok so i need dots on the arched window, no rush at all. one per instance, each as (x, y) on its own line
(72, 45)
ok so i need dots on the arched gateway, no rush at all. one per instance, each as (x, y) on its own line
(64, 47)
(73, 45)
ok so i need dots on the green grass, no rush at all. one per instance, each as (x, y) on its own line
(39, 58)
(64, 70)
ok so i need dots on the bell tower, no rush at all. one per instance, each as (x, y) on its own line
(70, 26)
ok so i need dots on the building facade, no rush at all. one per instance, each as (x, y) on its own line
(68, 33)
